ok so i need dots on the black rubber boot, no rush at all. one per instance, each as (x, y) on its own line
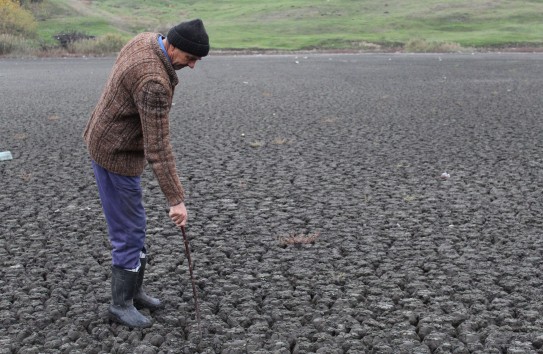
(123, 288)
(141, 299)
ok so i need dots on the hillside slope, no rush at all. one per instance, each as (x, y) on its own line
(304, 24)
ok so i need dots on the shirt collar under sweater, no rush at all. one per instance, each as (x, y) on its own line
(160, 38)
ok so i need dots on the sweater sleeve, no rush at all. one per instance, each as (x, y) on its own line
(153, 103)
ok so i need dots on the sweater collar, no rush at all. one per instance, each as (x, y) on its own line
(164, 58)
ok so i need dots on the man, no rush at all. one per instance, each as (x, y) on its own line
(129, 127)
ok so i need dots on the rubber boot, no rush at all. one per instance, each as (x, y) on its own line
(141, 299)
(123, 288)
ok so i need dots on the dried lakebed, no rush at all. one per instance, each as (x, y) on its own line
(421, 175)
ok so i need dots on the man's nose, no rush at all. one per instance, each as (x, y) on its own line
(192, 64)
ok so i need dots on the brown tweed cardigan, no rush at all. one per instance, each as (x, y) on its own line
(130, 124)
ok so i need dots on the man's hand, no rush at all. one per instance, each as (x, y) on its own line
(178, 213)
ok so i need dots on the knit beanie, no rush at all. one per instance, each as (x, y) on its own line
(190, 37)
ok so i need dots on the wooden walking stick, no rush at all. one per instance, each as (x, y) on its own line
(194, 293)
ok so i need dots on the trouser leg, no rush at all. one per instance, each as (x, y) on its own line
(121, 198)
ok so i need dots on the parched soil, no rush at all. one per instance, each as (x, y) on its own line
(418, 176)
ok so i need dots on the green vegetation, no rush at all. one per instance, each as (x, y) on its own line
(423, 25)
(16, 20)
(17, 27)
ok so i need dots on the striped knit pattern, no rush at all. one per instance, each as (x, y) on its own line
(130, 124)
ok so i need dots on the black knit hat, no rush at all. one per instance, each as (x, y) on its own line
(190, 37)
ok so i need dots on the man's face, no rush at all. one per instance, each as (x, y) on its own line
(181, 59)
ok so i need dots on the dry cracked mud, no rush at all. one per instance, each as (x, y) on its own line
(352, 147)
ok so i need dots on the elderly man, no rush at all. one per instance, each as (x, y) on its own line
(129, 127)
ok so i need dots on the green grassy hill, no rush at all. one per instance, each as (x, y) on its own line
(306, 24)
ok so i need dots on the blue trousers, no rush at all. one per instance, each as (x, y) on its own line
(121, 198)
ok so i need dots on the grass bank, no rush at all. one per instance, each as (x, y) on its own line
(426, 25)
